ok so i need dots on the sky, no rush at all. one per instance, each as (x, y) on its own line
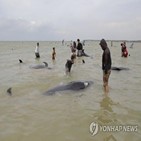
(70, 19)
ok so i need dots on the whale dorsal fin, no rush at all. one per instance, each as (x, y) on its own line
(9, 91)
(46, 64)
(20, 61)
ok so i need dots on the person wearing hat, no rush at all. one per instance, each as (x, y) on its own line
(106, 63)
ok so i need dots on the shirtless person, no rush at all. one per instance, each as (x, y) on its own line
(53, 54)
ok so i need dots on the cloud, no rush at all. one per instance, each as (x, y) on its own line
(69, 19)
(20, 29)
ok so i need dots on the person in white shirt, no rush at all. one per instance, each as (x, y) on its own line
(37, 51)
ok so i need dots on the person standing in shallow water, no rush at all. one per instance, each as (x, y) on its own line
(106, 64)
(79, 48)
(53, 54)
(37, 55)
(124, 52)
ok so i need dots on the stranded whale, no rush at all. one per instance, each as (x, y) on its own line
(74, 86)
(40, 66)
(119, 68)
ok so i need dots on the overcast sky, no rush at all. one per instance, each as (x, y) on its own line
(70, 19)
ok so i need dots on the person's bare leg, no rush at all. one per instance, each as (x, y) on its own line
(105, 81)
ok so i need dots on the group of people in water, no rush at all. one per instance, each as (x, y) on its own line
(78, 51)
(37, 54)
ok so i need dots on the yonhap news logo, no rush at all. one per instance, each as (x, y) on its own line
(95, 128)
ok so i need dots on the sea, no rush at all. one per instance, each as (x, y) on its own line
(26, 114)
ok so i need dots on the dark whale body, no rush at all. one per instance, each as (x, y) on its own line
(119, 68)
(74, 86)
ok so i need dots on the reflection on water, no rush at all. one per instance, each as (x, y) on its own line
(106, 116)
(106, 108)
(106, 104)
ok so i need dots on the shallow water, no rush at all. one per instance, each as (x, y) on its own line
(29, 115)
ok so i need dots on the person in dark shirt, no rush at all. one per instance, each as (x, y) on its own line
(68, 66)
(106, 63)
(79, 48)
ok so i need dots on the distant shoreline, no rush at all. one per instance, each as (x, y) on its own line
(118, 40)
(67, 40)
